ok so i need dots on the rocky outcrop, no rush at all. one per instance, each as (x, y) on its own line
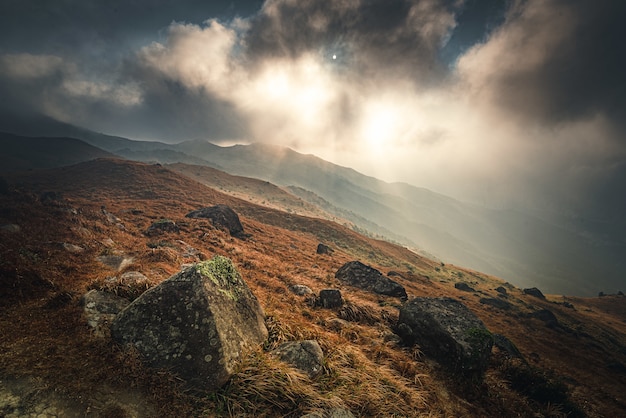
(496, 303)
(195, 323)
(464, 287)
(324, 249)
(300, 290)
(221, 216)
(303, 355)
(447, 331)
(330, 298)
(533, 291)
(365, 277)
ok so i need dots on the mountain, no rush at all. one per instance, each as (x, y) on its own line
(553, 251)
(23, 153)
(524, 248)
(58, 225)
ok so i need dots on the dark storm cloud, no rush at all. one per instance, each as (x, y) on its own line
(559, 60)
(384, 36)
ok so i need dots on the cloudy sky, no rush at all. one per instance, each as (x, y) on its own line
(502, 102)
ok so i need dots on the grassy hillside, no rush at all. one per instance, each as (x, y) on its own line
(48, 355)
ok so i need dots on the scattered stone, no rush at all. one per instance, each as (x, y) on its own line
(196, 323)
(507, 347)
(303, 355)
(10, 228)
(568, 305)
(330, 298)
(464, 287)
(533, 291)
(324, 249)
(496, 303)
(448, 331)
(71, 248)
(221, 216)
(116, 262)
(162, 226)
(108, 242)
(100, 309)
(300, 289)
(365, 277)
(501, 290)
(546, 316)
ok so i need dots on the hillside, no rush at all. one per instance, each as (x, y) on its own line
(24, 153)
(56, 223)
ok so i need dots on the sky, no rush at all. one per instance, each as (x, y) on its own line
(506, 103)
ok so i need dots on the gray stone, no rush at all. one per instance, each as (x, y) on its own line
(507, 347)
(501, 290)
(72, 248)
(303, 355)
(496, 303)
(100, 309)
(365, 277)
(324, 249)
(464, 287)
(533, 291)
(300, 289)
(221, 216)
(133, 278)
(330, 298)
(447, 331)
(196, 323)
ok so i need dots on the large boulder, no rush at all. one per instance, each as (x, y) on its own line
(358, 274)
(196, 323)
(221, 216)
(448, 331)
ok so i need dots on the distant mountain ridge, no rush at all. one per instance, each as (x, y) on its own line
(524, 248)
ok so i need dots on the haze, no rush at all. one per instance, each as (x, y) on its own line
(508, 104)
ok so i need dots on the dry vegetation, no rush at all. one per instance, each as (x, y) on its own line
(47, 352)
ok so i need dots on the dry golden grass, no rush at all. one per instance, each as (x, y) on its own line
(43, 335)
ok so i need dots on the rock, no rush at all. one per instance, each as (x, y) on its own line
(507, 347)
(100, 309)
(330, 298)
(300, 289)
(358, 274)
(221, 216)
(496, 303)
(133, 278)
(568, 305)
(72, 248)
(546, 316)
(333, 413)
(196, 323)
(162, 226)
(303, 355)
(448, 331)
(533, 291)
(501, 290)
(324, 249)
(464, 287)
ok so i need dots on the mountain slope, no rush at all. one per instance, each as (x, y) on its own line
(48, 355)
